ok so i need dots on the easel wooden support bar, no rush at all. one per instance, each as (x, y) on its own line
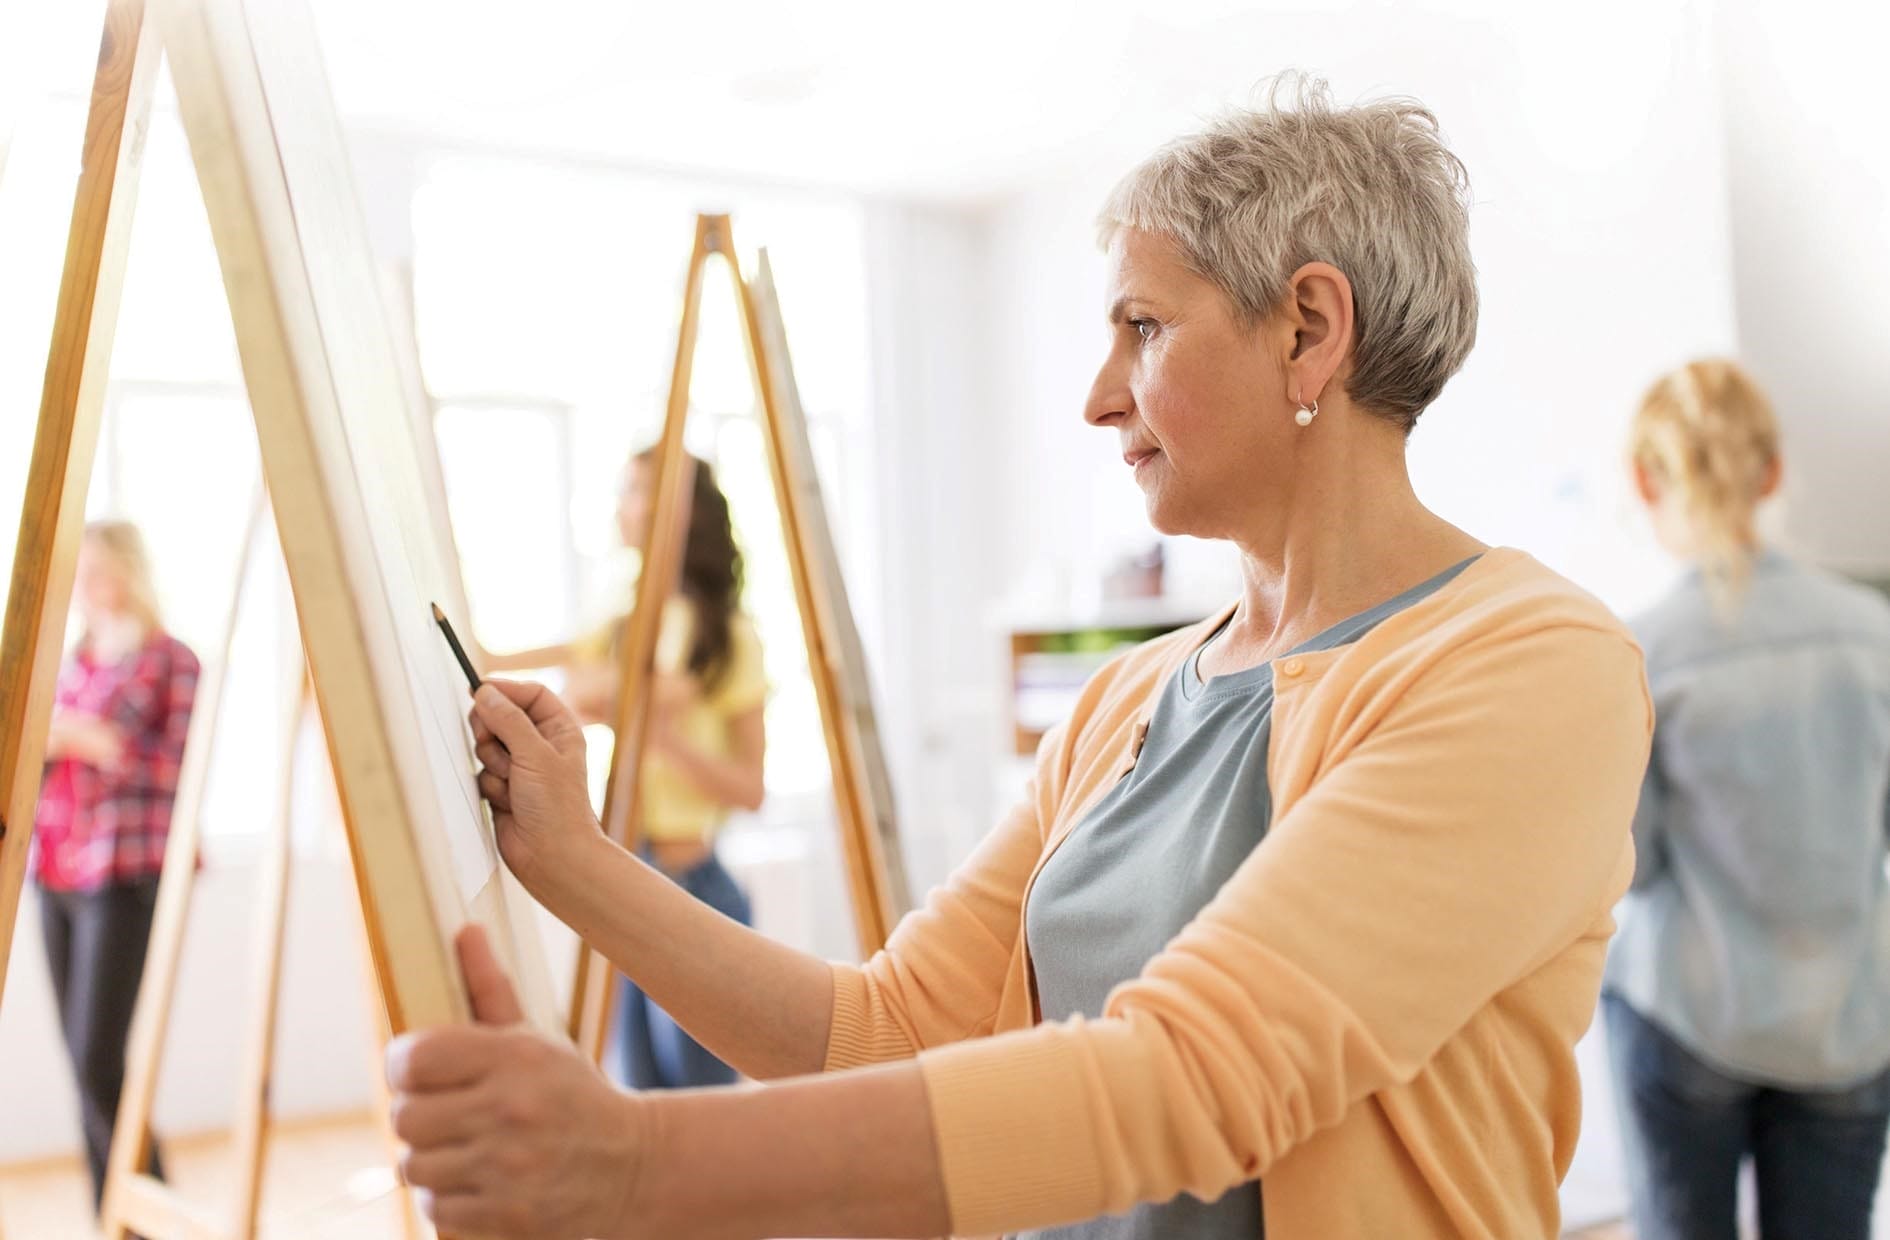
(862, 788)
(71, 404)
(149, 1208)
(131, 1140)
(215, 47)
(592, 989)
(272, 907)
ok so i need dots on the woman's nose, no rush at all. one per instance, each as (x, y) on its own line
(1109, 401)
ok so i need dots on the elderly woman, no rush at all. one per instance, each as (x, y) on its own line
(1307, 906)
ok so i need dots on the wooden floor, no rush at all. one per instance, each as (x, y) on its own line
(324, 1180)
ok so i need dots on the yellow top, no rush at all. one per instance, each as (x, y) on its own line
(1377, 1015)
(673, 808)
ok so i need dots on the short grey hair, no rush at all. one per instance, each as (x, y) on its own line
(1371, 189)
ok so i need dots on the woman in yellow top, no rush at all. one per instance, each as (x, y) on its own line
(1299, 923)
(704, 748)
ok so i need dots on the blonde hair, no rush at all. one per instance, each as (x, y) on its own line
(1707, 432)
(1371, 189)
(125, 545)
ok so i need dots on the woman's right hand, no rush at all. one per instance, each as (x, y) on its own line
(533, 774)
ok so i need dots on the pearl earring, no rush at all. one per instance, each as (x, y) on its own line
(1306, 414)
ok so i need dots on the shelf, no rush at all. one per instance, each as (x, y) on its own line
(1052, 658)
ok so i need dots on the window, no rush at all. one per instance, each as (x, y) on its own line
(520, 571)
(177, 450)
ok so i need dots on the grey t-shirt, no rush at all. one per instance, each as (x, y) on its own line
(1149, 856)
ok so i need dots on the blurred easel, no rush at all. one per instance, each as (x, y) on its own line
(136, 1202)
(836, 660)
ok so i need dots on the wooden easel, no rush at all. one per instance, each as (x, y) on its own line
(835, 658)
(280, 303)
(134, 1201)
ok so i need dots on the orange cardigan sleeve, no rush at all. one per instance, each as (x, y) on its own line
(1470, 837)
(939, 978)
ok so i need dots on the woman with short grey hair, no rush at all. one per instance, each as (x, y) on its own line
(1305, 910)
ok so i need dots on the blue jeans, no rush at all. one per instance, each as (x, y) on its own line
(1687, 1128)
(653, 1052)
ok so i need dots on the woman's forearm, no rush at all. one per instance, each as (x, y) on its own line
(759, 1005)
(845, 1155)
(88, 740)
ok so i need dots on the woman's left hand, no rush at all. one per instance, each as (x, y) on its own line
(510, 1132)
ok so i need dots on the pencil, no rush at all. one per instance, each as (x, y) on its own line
(459, 651)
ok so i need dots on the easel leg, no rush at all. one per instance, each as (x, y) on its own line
(144, 1051)
(377, 1071)
(271, 917)
(875, 876)
(71, 406)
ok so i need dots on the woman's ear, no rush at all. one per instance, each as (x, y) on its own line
(1644, 484)
(1319, 307)
(1770, 481)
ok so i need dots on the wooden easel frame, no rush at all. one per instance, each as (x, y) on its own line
(275, 301)
(835, 657)
(66, 438)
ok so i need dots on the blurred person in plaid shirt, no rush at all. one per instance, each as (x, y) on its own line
(120, 713)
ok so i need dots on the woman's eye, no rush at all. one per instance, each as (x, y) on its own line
(1145, 328)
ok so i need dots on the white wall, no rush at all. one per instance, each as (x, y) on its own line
(1601, 236)
(1810, 197)
(940, 499)
(326, 1047)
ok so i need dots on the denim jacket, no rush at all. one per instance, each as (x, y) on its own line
(1757, 932)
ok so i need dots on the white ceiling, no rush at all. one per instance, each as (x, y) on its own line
(957, 100)
(930, 100)
(953, 101)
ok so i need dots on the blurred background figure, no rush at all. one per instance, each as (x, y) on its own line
(1748, 994)
(121, 712)
(705, 747)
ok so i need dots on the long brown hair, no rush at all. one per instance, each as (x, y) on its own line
(1708, 432)
(712, 574)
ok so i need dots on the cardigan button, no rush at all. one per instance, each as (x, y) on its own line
(1292, 667)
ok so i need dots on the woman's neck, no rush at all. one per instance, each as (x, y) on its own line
(1350, 534)
(113, 637)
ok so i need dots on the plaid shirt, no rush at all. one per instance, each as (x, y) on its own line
(98, 827)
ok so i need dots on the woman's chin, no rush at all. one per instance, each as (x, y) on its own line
(1164, 515)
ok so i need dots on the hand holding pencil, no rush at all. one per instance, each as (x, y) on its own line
(532, 771)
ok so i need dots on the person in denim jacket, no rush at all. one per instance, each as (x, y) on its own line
(1748, 993)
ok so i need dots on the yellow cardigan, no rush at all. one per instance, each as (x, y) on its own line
(1377, 1013)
